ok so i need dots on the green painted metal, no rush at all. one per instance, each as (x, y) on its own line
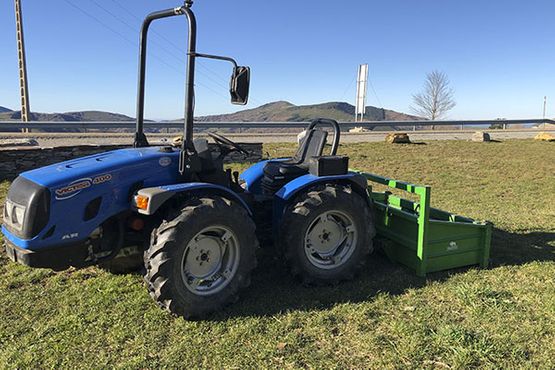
(423, 238)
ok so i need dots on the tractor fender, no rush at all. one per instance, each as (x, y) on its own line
(290, 189)
(160, 194)
(287, 193)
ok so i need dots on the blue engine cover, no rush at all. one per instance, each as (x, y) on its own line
(252, 177)
(73, 184)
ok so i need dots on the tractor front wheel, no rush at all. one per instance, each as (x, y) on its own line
(327, 234)
(200, 259)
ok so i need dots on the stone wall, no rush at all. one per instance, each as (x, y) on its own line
(13, 161)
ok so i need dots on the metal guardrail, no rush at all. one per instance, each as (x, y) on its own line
(66, 126)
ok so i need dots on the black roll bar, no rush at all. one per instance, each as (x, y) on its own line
(187, 148)
(140, 138)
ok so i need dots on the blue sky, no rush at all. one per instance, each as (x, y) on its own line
(499, 55)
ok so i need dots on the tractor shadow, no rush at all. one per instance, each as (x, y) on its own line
(518, 249)
(274, 291)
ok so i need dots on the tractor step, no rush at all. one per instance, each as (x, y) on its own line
(423, 238)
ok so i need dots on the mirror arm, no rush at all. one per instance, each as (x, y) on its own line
(217, 57)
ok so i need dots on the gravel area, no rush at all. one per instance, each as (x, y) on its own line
(65, 139)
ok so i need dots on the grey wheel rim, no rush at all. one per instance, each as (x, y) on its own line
(330, 240)
(210, 260)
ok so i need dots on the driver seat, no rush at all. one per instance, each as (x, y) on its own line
(279, 172)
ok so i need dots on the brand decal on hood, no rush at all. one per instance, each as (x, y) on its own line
(102, 178)
(77, 186)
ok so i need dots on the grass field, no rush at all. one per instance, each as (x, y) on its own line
(502, 317)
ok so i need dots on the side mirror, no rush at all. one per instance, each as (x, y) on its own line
(239, 85)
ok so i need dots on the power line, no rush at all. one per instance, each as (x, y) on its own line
(161, 36)
(200, 63)
(374, 90)
(123, 37)
(100, 22)
(348, 87)
(170, 52)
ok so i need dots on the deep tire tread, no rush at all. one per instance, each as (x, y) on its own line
(166, 240)
(301, 210)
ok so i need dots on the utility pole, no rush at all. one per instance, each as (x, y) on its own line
(23, 86)
(544, 109)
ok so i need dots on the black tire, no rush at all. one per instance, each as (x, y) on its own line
(167, 257)
(335, 201)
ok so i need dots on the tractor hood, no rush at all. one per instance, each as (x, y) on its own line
(65, 202)
(123, 164)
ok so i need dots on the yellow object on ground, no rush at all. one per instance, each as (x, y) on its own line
(545, 136)
(397, 138)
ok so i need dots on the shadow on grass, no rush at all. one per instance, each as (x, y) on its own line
(274, 291)
(519, 248)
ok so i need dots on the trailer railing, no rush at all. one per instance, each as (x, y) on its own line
(424, 238)
(165, 126)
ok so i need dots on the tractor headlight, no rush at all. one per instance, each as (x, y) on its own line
(18, 215)
(14, 215)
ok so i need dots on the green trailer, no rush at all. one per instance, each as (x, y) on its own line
(423, 238)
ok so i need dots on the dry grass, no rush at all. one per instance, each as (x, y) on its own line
(502, 317)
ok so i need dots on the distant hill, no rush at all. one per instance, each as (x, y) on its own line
(282, 111)
(83, 116)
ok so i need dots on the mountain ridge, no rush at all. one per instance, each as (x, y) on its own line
(283, 111)
(78, 116)
(278, 111)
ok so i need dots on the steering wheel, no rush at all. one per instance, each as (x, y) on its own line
(226, 143)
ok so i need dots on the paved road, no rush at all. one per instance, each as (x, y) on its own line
(65, 139)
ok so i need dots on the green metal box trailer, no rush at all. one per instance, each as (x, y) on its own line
(423, 238)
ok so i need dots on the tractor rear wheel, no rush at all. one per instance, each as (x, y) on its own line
(200, 259)
(327, 234)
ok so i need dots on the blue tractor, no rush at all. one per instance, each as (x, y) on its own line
(193, 224)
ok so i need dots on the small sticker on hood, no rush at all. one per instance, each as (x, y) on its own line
(165, 161)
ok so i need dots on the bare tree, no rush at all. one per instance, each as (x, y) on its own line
(436, 99)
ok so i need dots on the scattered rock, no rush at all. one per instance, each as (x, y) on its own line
(301, 136)
(18, 142)
(397, 138)
(545, 136)
(357, 130)
(480, 136)
(177, 141)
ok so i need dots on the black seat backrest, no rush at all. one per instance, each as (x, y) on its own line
(311, 145)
